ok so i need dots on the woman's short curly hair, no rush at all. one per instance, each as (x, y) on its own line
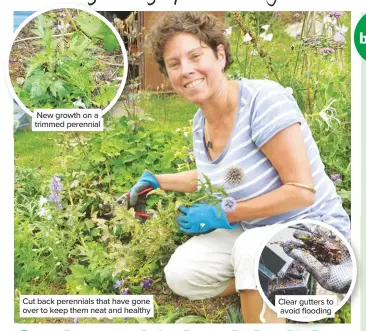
(206, 27)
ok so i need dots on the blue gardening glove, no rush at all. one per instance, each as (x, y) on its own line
(202, 218)
(146, 180)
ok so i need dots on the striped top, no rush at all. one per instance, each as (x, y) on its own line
(265, 108)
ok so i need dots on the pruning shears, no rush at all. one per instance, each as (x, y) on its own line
(140, 207)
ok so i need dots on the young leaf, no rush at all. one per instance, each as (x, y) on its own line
(35, 62)
(39, 87)
(95, 28)
(91, 25)
(78, 46)
(110, 41)
(57, 89)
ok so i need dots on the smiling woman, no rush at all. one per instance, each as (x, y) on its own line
(255, 126)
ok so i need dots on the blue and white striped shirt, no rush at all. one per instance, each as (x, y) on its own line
(265, 109)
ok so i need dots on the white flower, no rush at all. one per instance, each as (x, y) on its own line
(75, 183)
(329, 113)
(178, 130)
(327, 19)
(341, 29)
(78, 103)
(263, 34)
(42, 212)
(334, 21)
(339, 37)
(265, 27)
(185, 133)
(254, 52)
(63, 27)
(228, 30)
(42, 201)
(268, 37)
(247, 37)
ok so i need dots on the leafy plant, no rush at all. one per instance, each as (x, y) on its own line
(62, 74)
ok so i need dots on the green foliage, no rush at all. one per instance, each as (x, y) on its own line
(62, 71)
(320, 82)
(234, 315)
(127, 145)
(92, 241)
(343, 315)
(96, 28)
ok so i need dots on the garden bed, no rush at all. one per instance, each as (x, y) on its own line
(66, 58)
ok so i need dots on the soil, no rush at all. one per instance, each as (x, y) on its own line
(326, 250)
(214, 309)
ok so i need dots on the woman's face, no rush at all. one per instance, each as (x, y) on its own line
(194, 70)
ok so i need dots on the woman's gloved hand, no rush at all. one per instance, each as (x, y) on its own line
(333, 277)
(146, 180)
(202, 218)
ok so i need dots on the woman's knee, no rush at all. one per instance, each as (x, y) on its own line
(176, 278)
(186, 279)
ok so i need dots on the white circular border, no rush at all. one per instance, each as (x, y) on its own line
(345, 242)
(92, 12)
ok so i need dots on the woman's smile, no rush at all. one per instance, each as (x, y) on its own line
(194, 83)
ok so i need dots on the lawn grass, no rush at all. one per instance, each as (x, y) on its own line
(170, 110)
(37, 150)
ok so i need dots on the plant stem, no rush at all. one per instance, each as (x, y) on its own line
(237, 52)
(308, 98)
(246, 61)
(316, 80)
(270, 69)
(299, 50)
(111, 64)
(250, 63)
(37, 38)
(71, 20)
(199, 199)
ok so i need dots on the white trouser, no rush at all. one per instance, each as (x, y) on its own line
(204, 265)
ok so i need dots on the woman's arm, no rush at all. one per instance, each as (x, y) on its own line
(186, 181)
(288, 155)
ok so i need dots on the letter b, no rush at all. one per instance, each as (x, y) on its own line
(362, 38)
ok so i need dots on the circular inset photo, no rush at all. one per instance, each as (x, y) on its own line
(67, 58)
(306, 271)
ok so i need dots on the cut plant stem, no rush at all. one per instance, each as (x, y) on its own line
(37, 38)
